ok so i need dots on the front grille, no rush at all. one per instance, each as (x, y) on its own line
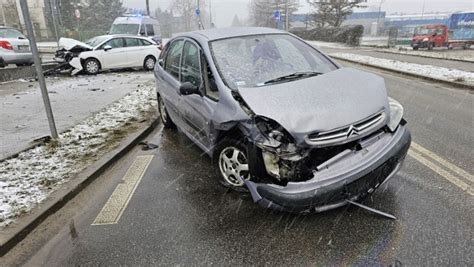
(347, 133)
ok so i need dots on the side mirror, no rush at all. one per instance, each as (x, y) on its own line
(188, 88)
(107, 47)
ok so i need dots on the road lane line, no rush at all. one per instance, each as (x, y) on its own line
(445, 174)
(442, 161)
(118, 201)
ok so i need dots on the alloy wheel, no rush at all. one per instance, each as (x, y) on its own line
(234, 166)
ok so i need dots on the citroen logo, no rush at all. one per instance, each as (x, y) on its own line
(352, 131)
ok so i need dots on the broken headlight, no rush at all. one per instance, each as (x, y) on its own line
(273, 132)
(396, 114)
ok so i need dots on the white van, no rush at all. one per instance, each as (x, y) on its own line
(137, 25)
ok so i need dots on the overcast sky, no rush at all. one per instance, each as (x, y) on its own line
(223, 11)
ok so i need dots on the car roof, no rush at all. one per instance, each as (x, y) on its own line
(222, 33)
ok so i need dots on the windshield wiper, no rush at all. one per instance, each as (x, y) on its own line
(293, 76)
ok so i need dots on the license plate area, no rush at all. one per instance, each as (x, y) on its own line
(23, 48)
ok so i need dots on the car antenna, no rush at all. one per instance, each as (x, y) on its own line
(372, 209)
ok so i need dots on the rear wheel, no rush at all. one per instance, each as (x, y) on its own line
(164, 116)
(149, 63)
(92, 66)
(231, 164)
(415, 48)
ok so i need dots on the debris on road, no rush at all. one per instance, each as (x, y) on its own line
(29, 178)
(147, 146)
(439, 73)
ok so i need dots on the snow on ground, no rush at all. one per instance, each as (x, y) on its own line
(329, 44)
(29, 178)
(455, 54)
(424, 70)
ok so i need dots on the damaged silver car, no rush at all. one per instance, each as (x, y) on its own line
(281, 119)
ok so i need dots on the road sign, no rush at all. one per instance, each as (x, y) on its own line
(277, 15)
(198, 12)
(77, 13)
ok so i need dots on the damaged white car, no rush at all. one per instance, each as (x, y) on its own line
(107, 52)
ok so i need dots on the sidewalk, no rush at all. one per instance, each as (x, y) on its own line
(72, 98)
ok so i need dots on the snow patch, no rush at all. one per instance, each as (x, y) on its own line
(430, 71)
(31, 177)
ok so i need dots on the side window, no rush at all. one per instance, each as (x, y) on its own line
(132, 42)
(144, 42)
(210, 85)
(142, 30)
(115, 43)
(149, 30)
(190, 67)
(173, 57)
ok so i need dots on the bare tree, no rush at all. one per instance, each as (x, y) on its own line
(186, 10)
(262, 11)
(333, 12)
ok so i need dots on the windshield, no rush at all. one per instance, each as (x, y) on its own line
(124, 29)
(10, 33)
(253, 60)
(425, 30)
(96, 40)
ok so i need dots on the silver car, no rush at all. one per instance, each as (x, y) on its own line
(281, 119)
(14, 48)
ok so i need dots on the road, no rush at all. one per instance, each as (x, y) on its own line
(72, 99)
(173, 211)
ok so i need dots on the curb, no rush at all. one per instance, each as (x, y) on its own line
(17, 232)
(424, 56)
(454, 84)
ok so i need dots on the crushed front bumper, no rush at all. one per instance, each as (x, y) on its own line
(350, 178)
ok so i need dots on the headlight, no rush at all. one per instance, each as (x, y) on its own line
(396, 114)
(273, 132)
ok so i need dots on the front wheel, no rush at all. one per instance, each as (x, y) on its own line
(91, 66)
(164, 116)
(231, 164)
(149, 63)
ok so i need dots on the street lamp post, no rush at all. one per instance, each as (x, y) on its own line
(378, 17)
(39, 68)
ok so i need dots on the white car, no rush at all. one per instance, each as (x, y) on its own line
(111, 52)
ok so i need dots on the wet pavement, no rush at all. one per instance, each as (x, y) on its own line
(72, 99)
(178, 214)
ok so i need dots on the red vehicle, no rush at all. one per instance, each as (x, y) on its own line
(438, 35)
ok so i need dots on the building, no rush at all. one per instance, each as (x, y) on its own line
(10, 15)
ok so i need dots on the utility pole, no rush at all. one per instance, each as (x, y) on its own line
(287, 18)
(423, 9)
(147, 7)
(378, 17)
(39, 68)
(54, 20)
(210, 14)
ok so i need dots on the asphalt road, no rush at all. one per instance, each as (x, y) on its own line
(178, 214)
(460, 65)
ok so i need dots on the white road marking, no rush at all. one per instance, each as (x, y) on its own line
(443, 162)
(444, 173)
(118, 201)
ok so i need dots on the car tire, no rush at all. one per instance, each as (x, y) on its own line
(415, 48)
(164, 116)
(149, 63)
(92, 66)
(430, 46)
(230, 159)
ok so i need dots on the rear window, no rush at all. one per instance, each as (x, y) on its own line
(10, 33)
(124, 29)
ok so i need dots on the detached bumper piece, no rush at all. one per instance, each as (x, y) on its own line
(351, 178)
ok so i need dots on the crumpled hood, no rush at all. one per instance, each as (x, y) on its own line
(69, 44)
(321, 103)
(421, 37)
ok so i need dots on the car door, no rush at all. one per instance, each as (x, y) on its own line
(197, 109)
(113, 57)
(168, 79)
(134, 52)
